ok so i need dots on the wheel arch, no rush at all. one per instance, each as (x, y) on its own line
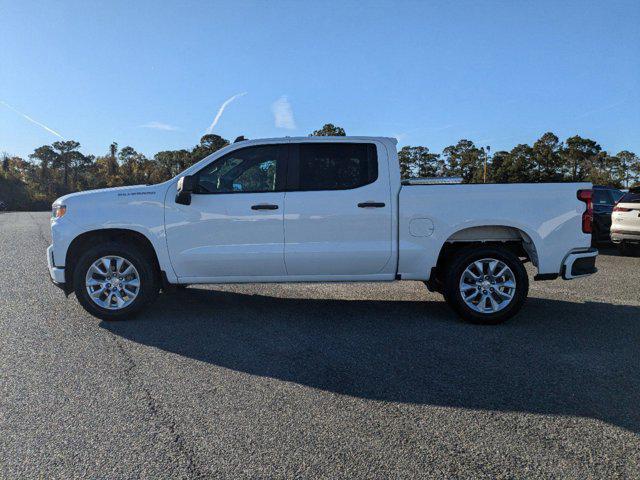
(512, 238)
(95, 237)
(496, 234)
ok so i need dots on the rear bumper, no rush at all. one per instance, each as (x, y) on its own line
(618, 236)
(56, 273)
(579, 264)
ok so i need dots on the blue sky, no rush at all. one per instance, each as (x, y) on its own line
(153, 75)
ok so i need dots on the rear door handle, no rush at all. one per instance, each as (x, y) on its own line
(264, 206)
(371, 205)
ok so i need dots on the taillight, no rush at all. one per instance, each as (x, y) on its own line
(586, 196)
(621, 209)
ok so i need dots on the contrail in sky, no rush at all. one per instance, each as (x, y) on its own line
(221, 110)
(31, 119)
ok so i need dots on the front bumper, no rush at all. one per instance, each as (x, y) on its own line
(579, 264)
(56, 273)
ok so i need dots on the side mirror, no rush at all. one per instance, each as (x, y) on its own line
(186, 185)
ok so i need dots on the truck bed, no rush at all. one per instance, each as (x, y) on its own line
(547, 216)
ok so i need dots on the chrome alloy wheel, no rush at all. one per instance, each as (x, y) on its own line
(112, 282)
(487, 285)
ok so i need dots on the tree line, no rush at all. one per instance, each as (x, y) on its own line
(577, 159)
(56, 169)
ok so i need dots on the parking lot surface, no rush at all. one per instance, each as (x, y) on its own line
(316, 380)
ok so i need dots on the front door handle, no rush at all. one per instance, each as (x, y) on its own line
(371, 205)
(264, 206)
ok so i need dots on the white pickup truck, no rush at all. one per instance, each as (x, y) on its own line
(317, 209)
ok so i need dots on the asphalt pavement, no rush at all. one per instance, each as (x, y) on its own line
(316, 380)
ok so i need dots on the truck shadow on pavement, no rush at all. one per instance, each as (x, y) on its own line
(611, 251)
(556, 357)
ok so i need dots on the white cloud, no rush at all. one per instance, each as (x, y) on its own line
(159, 126)
(283, 113)
(221, 109)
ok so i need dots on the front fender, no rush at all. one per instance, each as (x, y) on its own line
(138, 209)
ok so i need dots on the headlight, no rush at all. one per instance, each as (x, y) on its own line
(58, 210)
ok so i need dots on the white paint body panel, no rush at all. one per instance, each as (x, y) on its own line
(139, 208)
(322, 235)
(628, 222)
(328, 234)
(549, 214)
(219, 235)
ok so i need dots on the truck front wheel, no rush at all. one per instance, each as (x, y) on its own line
(486, 285)
(114, 281)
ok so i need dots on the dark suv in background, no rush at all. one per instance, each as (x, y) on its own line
(604, 199)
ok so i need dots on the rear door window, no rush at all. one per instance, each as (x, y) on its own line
(334, 166)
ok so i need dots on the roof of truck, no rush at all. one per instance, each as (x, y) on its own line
(312, 138)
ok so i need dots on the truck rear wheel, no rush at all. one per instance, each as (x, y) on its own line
(486, 285)
(114, 281)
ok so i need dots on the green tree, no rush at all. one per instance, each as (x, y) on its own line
(581, 156)
(329, 130)
(14, 183)
(417, 162)
(209, 144)
(626, 166)
(112, 163)
(46, 156)
(67, 153)
(170, 163)
(547, 158)
(465, 160)
(522, 164)
(14, 193)
(500, 171)
(134, 166)
(106, 172)
(603, 170)
(79, 166)
(635, 170)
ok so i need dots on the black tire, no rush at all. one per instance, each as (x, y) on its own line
(149, 281)
(456, 269)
